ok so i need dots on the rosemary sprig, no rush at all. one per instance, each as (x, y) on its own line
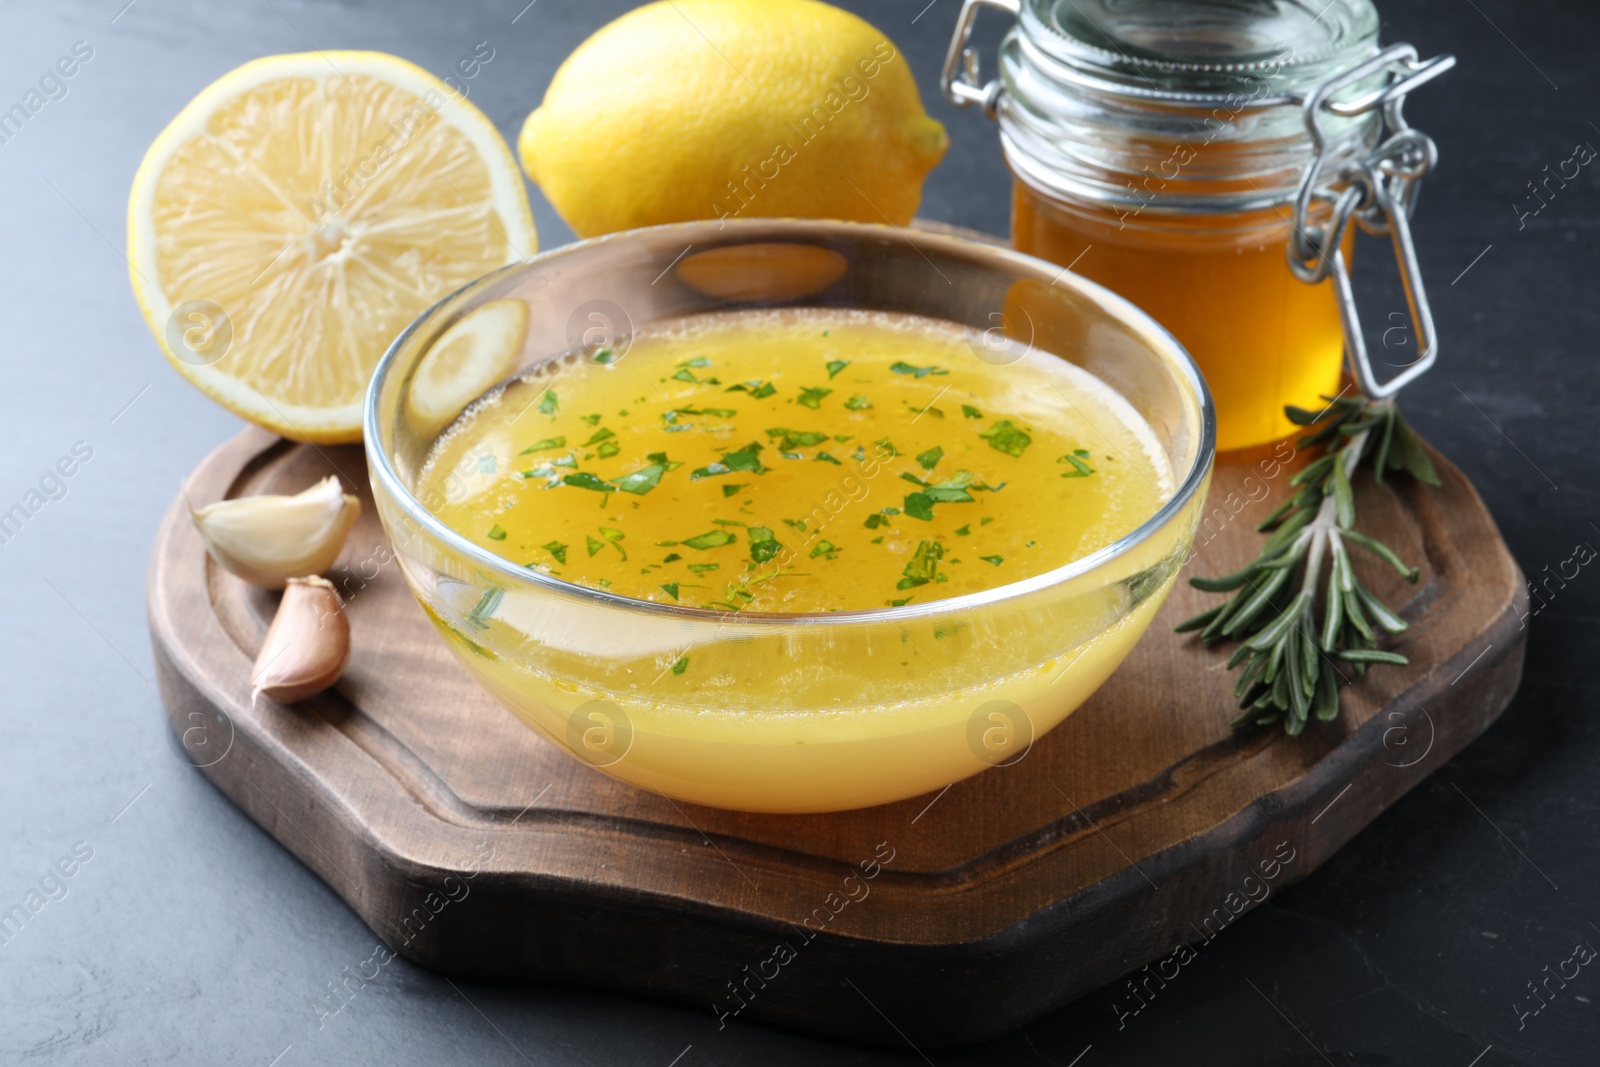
(1287, 644)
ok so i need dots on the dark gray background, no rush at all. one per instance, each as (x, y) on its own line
(191, 937)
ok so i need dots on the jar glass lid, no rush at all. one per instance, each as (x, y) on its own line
(1203, 45)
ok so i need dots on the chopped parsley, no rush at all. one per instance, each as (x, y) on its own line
(643, 480)
(919, 506)
(681, 665)
(585, 480)
(930, 459)
(812, 397)
(924, 565)
(857, 403)
(548, 403)
(996, 560)
(730, 490)
(710, 539)
(1005, 437)
(671, 589)
(745, 459)
(902, 367)
(763, 546)
(541, 446)
(556, 549)
(971, 412)
(835, 366)
(793, 439)
(1077, 459)
(496, 533)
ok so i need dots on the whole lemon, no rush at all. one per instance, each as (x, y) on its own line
(698, 109)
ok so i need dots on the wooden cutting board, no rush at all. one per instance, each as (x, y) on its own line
(1141, 823)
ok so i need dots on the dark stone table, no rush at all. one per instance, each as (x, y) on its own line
(185, 935)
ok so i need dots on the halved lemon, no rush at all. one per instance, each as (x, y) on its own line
(476, 352)
(299, 213)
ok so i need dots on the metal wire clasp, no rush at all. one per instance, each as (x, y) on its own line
(1378, 191)
(959, 79)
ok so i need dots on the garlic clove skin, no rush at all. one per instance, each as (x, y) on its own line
(307, 645)
(266, 540)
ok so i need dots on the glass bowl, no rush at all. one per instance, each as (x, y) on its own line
(790, 712)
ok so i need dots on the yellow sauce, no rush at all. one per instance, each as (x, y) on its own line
(799, 462)
(768, 712)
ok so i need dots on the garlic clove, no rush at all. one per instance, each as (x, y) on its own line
(307, 645)
(266, 540)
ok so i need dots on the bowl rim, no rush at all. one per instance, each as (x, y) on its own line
(1024, 265)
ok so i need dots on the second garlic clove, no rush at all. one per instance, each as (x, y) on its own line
(307, 645)
(266, 540)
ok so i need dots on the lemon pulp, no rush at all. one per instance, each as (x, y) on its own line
(299, 213)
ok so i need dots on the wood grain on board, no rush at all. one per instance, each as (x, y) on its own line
(1142, 822)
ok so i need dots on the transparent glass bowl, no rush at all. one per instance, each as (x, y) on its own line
(793, 712)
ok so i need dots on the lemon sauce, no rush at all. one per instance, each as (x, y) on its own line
(798, 461)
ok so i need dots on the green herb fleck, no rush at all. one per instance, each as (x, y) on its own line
(919, 506)
(793, 439)
(875, 521)
(812, 397)
(763, 546)
(556, 549)
(902, 367)
(710, 539)
(592, 420)
(641, 481)
(681, 665)
(540, 446)
(824, 548)
(924, 565)
(585, 480)
(496, 533)
(930, 459)
(1004, 437)
(730, 490)
(701, 568)
(608, 449)
(996, 560)
(548, 403)
(745, 459)
(971, 412)
(602, 434)
(835, 366)
(593, 545)
(1077, 459)
(671, 589)
(857, 403)
(823, 457)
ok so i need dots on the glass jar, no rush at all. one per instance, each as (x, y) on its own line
(1204, 159)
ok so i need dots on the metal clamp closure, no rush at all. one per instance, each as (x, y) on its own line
(1378, 191)
(960, 79)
